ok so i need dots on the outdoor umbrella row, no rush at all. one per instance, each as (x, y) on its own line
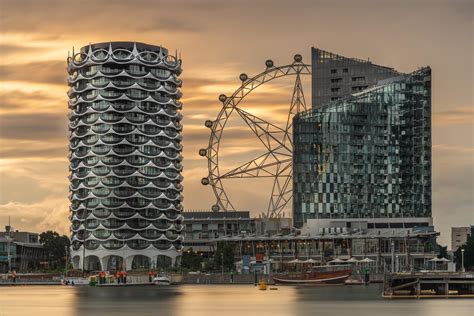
(351, 260)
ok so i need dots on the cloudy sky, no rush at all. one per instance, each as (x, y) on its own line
(218, 40)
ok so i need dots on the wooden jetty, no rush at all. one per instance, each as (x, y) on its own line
(432, 284)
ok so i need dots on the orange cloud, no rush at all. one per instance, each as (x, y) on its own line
(457, 116)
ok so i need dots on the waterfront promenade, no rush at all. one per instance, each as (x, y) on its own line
(177, 278)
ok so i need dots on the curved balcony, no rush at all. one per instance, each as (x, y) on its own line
(138, 244)
(92, 244)
(124, 234)
(112, 244)
(162, 244)
(102, 233)
(124, 212)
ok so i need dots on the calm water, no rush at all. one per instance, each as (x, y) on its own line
(219, 300)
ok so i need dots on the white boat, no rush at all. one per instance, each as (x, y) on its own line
(75, 281)
(161, 279)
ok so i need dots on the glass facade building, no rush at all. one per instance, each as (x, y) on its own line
(125, 156)
(366, 155)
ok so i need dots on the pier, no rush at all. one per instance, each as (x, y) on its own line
(429, 285)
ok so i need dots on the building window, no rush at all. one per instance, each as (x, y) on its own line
(345, 70)
(334, 71)
(336, 80)
(359, 88)
(356, 79)
(335, 89)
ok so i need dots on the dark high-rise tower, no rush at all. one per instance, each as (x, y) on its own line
(334, 76)
(125, 156)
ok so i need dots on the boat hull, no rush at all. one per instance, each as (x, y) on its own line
(161, 281)
(334, 277)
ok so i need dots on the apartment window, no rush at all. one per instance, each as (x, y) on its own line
(334, 71)
(335, 89)
(335, 98)
(345, 70)
(336, 80)
(359, 88)
(362, 78)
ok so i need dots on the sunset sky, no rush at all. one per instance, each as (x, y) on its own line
(218, 40)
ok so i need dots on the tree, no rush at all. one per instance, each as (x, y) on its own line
(468, 254)
(191, 260)
(443, 251)
(224, 254)
(55, 246)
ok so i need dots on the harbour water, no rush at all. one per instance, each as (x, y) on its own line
(226, 300)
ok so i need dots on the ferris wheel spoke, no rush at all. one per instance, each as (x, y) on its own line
(298, 104)
(281, 195)
(222, 199)
(266, 165)
(271, 136)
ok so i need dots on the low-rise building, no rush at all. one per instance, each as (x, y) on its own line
(364, 225)
(20, 251)
(201, 227)
(460, 235)
(384, 251)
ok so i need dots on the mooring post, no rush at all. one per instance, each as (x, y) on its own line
(418, 287)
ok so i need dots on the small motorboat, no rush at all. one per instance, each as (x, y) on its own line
(161, 279)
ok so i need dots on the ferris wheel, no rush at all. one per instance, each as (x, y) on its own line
(275, 138)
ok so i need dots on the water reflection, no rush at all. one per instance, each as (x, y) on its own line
(125, 301)
(226, 300)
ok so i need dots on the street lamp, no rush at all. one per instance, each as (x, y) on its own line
(462, 260)
(65, 268)
(83, 256)
(222, 265)
(392, 244)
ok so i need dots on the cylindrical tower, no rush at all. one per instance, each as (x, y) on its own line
(125, 156)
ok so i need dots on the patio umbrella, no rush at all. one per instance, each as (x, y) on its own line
(353, 260)
(310, 261)
(435, 259)
(295, 261)
(367, 260)
(337, 260)
(443, 260)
